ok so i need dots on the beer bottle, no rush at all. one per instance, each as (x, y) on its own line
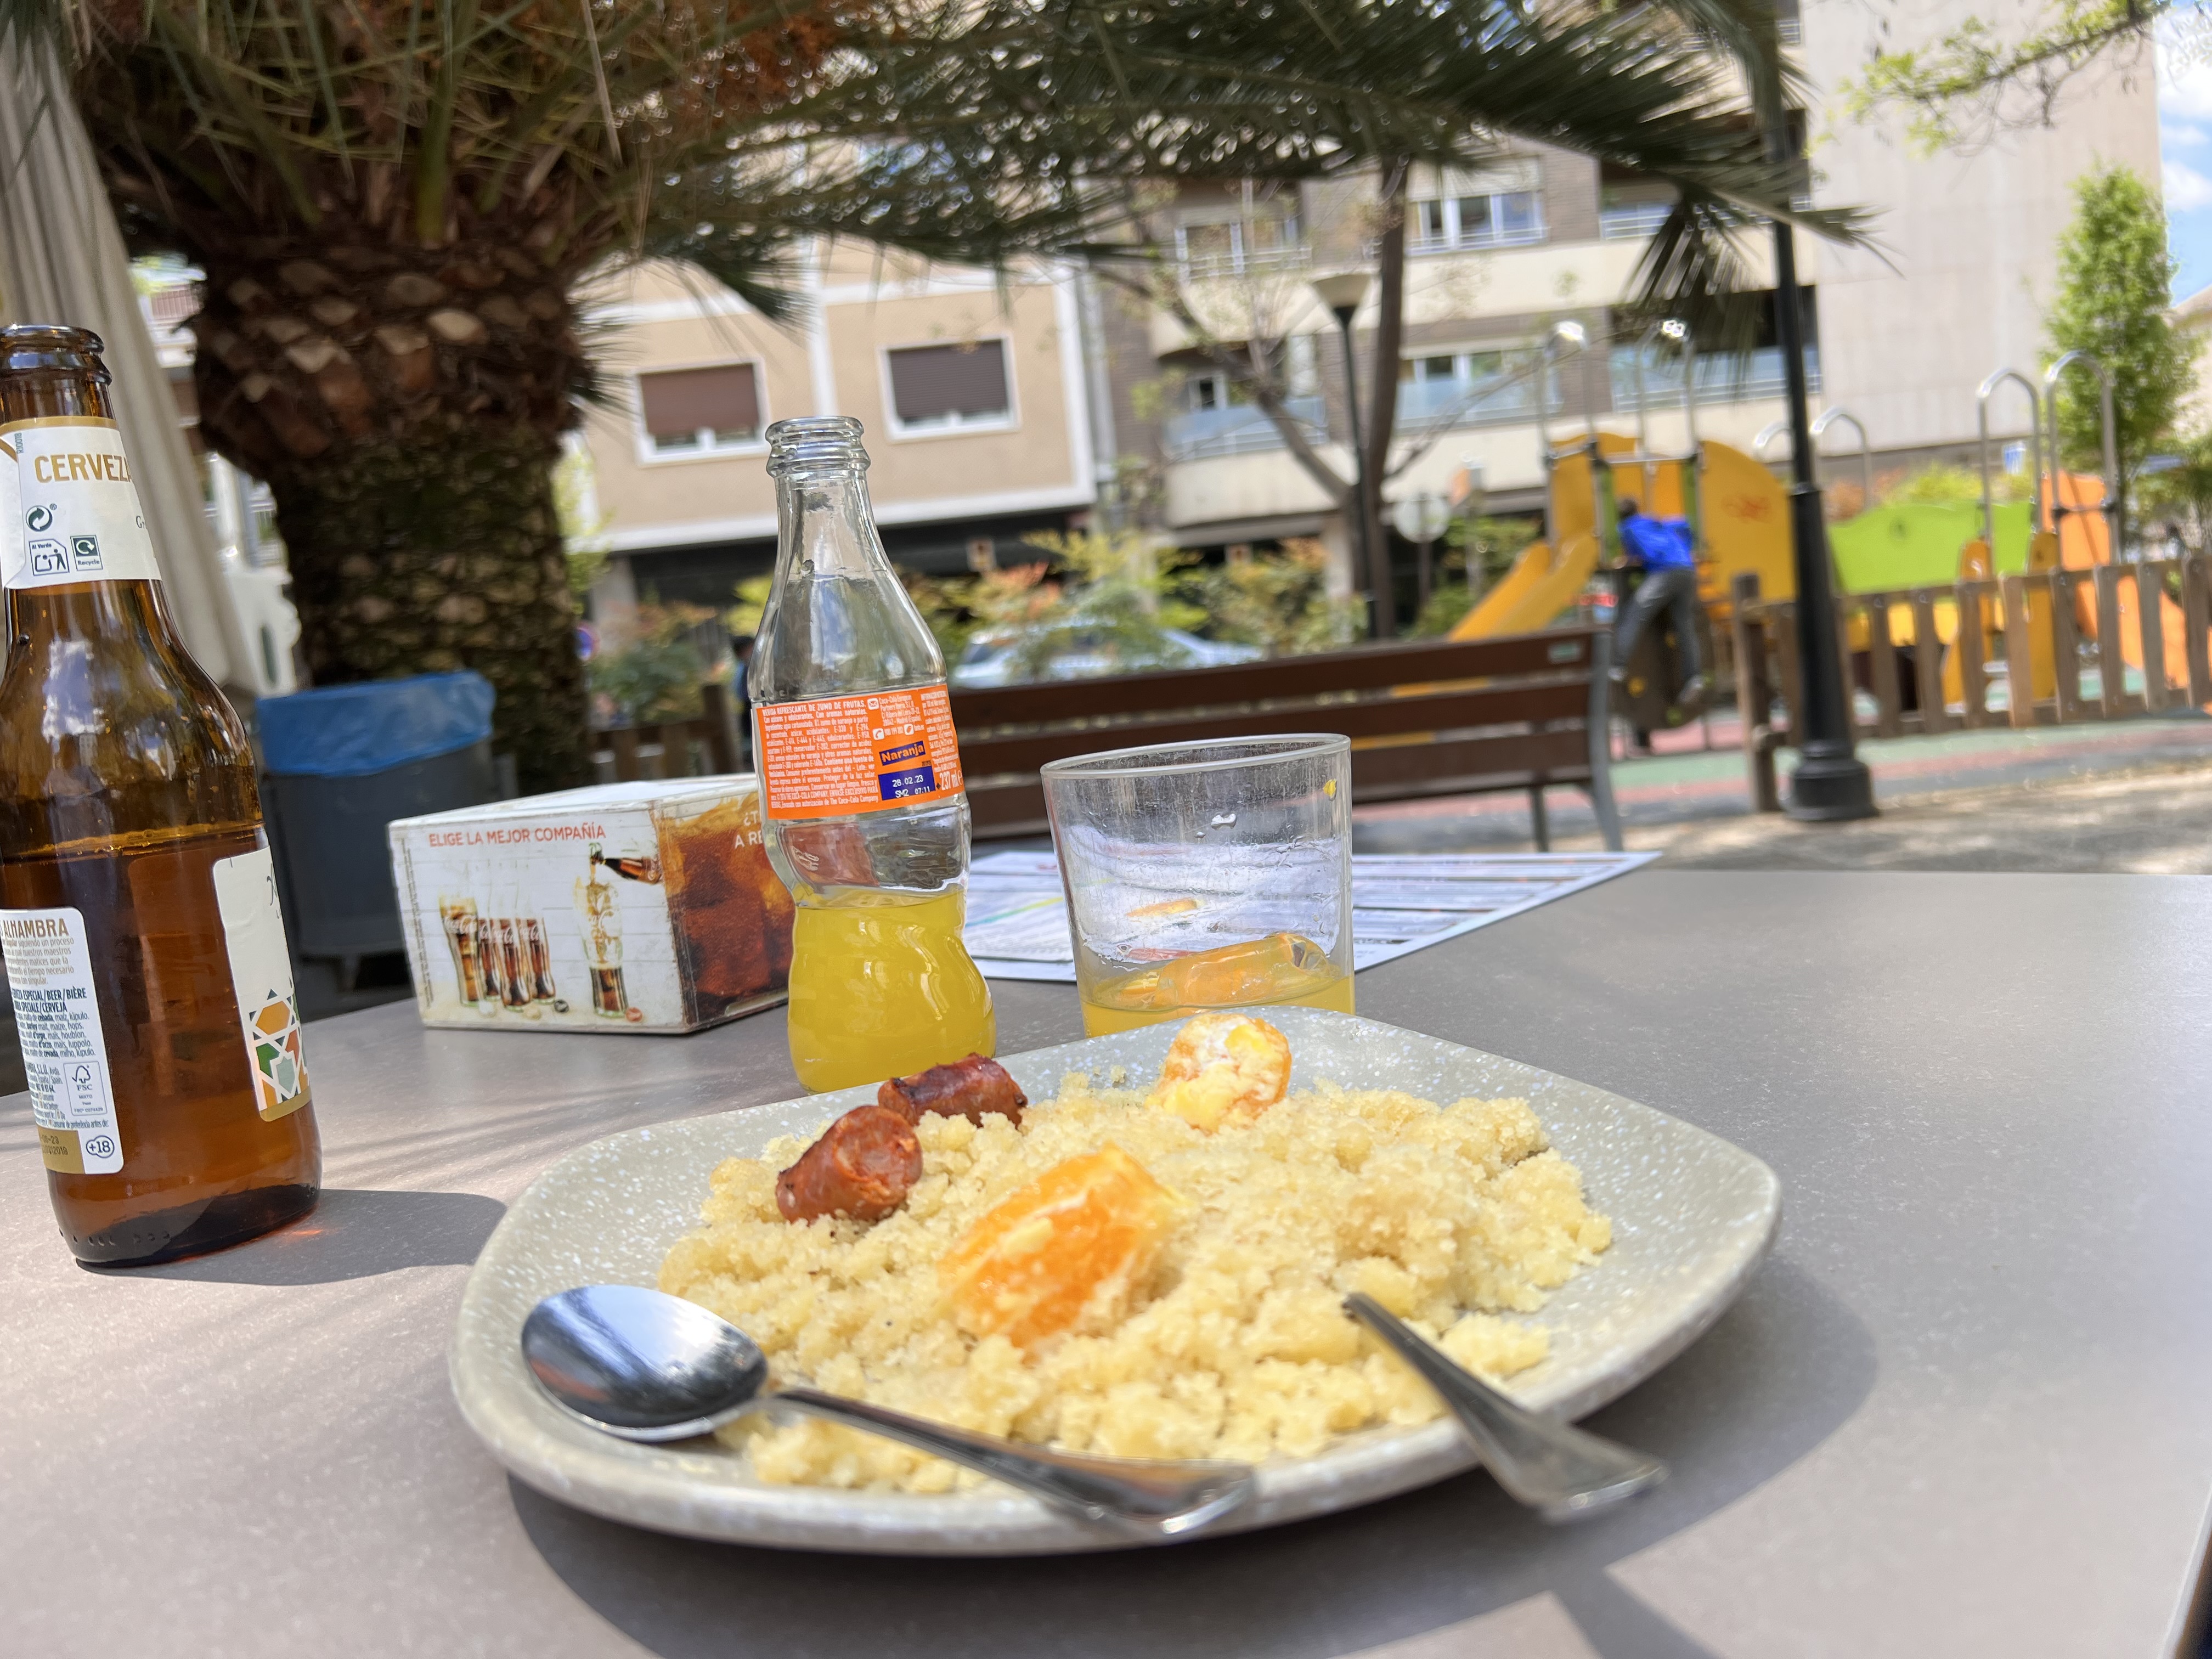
(144, 948)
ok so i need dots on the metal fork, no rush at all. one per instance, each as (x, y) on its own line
(1561, 1472)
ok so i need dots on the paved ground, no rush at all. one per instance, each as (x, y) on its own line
(2156, 822)
(2134, 797)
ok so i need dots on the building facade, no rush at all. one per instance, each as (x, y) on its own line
(1000, 403)
(971, 385)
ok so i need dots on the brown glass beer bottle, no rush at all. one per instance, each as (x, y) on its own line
(144, 947)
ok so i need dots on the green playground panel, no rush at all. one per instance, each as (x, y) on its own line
(1917, 546)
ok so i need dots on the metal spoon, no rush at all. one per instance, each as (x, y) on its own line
(1561, 1472)
(647, 1367)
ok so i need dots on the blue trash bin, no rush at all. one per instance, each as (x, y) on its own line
(339, 764)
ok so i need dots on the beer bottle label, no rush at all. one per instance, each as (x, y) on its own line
(827, 757)
(65, 1055)
(72, 512)
(261, 977)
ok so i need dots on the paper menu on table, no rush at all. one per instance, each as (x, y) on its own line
(1401, 903)
(1018, 912)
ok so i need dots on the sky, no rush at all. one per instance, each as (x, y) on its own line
(2184, 124)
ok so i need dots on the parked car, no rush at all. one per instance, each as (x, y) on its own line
(993, 659)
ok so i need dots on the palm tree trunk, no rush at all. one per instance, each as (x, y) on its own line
(404, 405)
(440, 550)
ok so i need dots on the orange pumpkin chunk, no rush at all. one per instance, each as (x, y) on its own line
(1067, 1249)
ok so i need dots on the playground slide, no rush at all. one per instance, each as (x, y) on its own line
(1535, 592)
(1745, 522)
(1487, 616)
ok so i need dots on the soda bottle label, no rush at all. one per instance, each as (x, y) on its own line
(829, 757)
(64, 1053)
(261, 979)
(68, 511)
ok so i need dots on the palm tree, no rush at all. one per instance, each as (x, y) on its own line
(393, 201)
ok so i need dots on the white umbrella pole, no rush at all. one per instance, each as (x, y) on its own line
(62, 261)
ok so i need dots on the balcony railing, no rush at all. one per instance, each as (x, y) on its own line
(1450, 404)
(1522, 237)
(1200, 434)
(1630, 221)
(1258, 262)
(1720, 379)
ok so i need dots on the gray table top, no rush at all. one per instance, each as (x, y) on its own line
(1962, 1409)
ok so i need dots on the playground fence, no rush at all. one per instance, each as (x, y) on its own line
(2051, 631)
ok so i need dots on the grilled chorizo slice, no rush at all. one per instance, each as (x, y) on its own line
(971, 1088)
(862, 1167)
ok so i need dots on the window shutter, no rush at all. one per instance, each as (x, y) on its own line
(929, 383)
(678, 402)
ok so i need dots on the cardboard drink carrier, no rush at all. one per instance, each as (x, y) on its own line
(640, 908)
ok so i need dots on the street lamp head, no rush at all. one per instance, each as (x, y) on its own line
(1568, 336)
(1675, 329)
(1342, 293)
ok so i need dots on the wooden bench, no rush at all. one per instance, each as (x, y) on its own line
(700, 747)
(1431, 718)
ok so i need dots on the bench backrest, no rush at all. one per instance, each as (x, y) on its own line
(1434, 717)
(712, 732)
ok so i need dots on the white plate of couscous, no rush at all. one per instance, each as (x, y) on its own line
(1218, 1187)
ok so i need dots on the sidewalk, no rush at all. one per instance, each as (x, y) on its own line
(2136, 797)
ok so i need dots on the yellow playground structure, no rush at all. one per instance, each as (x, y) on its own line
(1738, 512)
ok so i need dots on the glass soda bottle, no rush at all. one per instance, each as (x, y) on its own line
(864, 813)
(145, 952)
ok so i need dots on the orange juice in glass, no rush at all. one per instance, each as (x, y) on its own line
(1206, 875)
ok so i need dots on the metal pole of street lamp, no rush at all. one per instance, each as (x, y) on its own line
(1830, 781)
(1341, 293)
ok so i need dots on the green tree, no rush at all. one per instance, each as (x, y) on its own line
(1985, 74)
(394, 203)
(1477, 552)
(2114, 278)
(1277, 601)
(650, 667)
(2182, 493)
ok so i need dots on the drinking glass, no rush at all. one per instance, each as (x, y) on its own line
(518, 985)
(457, 911)
(1206, 875)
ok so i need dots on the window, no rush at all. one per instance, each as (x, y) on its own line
(1466, 388)
(941, 388)
(700, 411)
(1500, 206)
(1215, 391)
(1631, 212)
(1470, 367)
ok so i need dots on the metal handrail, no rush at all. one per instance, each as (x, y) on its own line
(1693, 498)
(1572, 335)
(1982, 396)
(1829, 417)
(2109, 506)
(1674, 328)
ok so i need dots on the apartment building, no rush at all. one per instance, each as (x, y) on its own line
(1900, 335)
(971, 385)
